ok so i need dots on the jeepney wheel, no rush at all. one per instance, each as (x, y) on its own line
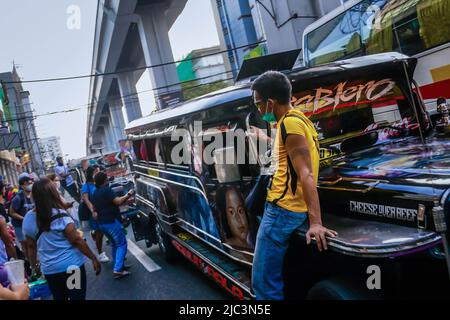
(341, 288)
(165, 246)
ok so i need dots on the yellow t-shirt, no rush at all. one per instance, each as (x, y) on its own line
(286, 189)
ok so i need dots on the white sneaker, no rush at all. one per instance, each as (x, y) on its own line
(103, 257)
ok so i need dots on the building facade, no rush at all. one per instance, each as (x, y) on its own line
(204, 66)
(236, 28)
(50, 148)
(280, 23)
(9, 170)
(18, 116)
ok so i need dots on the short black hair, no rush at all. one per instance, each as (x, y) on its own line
(441, 100)
(24, 180)
(273, 85)
(90, 174)
(100, 179)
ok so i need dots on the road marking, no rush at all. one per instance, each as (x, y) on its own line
(142, 257)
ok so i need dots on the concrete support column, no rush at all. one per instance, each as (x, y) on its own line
(154, 33)
(99, 137)
(110, 143)
(117, 120)
(127, 86)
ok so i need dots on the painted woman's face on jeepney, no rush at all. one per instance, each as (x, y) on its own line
(236, 216)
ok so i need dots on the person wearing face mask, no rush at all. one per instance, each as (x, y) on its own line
(292, 199)
(66, 179)
(20, 205)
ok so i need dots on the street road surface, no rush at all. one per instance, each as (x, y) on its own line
(152, 278)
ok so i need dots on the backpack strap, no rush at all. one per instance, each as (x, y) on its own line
(291, 174)
(53, 218)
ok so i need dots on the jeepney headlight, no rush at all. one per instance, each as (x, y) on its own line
(439, 219)
(421, 217)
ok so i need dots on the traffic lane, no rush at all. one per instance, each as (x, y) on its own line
(180, 281)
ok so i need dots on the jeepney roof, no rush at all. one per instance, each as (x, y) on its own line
(388, 64)
(233, 93)
(384, 64)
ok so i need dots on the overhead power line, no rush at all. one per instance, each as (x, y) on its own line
(116, 98)
(132, 69)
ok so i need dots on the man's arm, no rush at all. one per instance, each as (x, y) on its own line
(15, 204)
(75, 239)
(32, 252)
(118, 201)
(61, 172)
(85, 197)
(297, 148)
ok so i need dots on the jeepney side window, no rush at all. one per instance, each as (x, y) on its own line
(234, 155)
(259, 139)
(148, 150)
(220, 157)
(176, 150)
(139, 150)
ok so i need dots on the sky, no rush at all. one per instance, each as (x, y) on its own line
(35, 36)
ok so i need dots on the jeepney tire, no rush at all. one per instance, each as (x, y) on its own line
(169, 252)
(342, 288)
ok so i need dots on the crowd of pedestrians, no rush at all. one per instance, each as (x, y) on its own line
(37, 225)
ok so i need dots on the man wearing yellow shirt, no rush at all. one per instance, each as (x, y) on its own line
(292, 198)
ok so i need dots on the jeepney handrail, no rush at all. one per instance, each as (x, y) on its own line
(375, 251)
(157, 212)
(214, 246)
(175, 174)
(340, 179)
(153, 186)
(175, 183)
(237, 250)
(200, 230)
(153, 206)
(162, 164)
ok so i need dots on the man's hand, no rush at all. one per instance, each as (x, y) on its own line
(320, 233)
(97, 266)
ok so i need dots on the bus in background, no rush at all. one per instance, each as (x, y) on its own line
(417, 28)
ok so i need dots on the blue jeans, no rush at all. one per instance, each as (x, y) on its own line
(272, 242)
(118, 241)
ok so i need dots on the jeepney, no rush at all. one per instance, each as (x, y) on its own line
(384, 185)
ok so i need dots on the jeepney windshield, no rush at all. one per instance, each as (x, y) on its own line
(349, 108)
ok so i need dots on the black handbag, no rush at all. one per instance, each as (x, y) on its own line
(84, 214)
(256, 199)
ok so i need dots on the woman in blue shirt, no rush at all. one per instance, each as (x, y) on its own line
(87, 193)
(52, 236)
